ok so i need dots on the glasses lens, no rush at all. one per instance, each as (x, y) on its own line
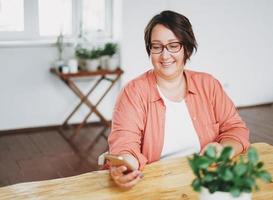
(174, 47)
(156, 48)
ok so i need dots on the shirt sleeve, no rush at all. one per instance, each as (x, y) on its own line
(128, 124)
(231, 125)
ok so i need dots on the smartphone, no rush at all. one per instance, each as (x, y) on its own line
(118, 161)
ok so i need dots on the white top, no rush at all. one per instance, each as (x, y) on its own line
(180, 137)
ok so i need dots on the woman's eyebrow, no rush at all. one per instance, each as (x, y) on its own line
(171, 40)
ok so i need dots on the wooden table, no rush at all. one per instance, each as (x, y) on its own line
(168, 179)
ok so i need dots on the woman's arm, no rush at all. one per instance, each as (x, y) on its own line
(128, 124)
(232, 129)
(125, 138)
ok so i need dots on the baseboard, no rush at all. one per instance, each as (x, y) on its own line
(42, 128)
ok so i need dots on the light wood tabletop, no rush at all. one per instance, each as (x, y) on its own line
(165, 179)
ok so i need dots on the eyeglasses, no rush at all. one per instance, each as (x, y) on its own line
(172, 47)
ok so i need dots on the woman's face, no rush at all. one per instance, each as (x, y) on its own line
(167, 65)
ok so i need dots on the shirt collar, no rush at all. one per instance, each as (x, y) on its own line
(155, 96)
(191, 88)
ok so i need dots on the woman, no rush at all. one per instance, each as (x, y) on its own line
(170, 111)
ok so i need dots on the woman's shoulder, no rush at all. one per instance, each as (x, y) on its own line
(197, 75)
(202, 81)
(140, 88)
(202, 78)
(141, 82)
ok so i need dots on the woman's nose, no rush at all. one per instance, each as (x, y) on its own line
(165, 53)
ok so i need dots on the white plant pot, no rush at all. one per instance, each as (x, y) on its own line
(104, 62)
(206, 195)
(113, 63)
(92, 64)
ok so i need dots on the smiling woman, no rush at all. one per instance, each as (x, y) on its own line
(169, 111)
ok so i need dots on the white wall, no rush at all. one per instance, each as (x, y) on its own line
(235, 44)
(31, 96)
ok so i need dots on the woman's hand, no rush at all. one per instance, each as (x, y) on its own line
(125, 181)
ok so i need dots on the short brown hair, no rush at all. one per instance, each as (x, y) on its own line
(179, 25)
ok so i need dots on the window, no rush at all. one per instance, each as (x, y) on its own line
(11, 15)
(97, 19)
(55, 17)
(45, 19)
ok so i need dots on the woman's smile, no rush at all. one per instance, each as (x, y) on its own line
(167, 63)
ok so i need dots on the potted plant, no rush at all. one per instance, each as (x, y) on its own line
(220, 177)
(109, 58)
(93, 61)
(89, 59)
(82, 55)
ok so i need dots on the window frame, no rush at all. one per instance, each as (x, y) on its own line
(31, 25)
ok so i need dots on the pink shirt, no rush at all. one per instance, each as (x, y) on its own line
(139, 116)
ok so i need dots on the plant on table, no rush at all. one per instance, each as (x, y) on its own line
(109, 57)
(221, 173)
(89, 58)
(109, 49)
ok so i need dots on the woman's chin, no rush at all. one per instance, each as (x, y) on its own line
(168, 73)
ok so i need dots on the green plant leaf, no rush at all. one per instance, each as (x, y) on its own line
(193, 166)
(249, 183)
(265, 176)
(196, 184)
(203, 162)
(260, 165)
(213, 187)
(252, 155)
(240, 169)
(225, 154)
(235, 192)
(208, 177)
(227, 174)
(210, 152)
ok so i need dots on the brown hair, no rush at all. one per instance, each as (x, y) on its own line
(179, 25)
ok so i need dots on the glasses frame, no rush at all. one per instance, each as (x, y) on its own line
(165, 47)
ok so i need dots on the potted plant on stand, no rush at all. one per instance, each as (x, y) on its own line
(109, 59)
(88, 59)
(82, 54)
(223, 178)
(93, 62)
